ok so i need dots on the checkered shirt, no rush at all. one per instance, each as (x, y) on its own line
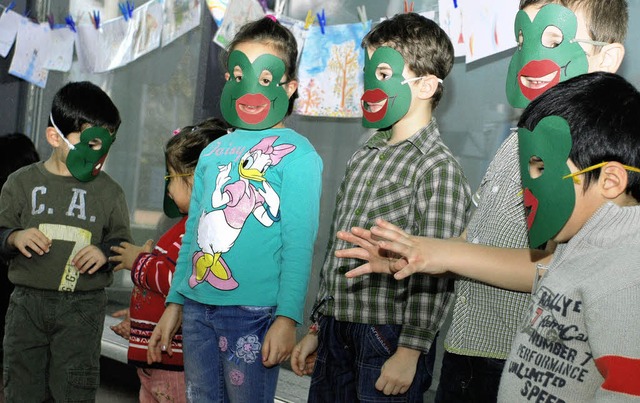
(418, 185)
(486, 318)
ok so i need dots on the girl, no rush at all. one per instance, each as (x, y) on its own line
(152, 270)
(242, 275)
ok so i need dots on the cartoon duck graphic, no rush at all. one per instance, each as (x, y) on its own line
(232, 205)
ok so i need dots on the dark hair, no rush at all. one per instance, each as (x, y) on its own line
(424, 46)
(183, 149)
(270, 32)
(81, 103)
(603, 112)
(16, 150)
(606, 20)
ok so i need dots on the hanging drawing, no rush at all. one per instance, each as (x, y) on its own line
(330, 72)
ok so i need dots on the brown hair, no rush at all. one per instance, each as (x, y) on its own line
(424, 46)
(606, 19)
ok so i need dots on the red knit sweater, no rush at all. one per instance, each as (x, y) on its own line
(151, 275)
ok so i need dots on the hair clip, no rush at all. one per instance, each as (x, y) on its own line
(176, 131)
(271, 17)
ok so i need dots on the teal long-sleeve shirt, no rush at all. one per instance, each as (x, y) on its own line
(252, 224)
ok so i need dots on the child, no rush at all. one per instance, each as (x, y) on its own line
(579, 159)
(16, 151)
(376, 336)
(152, 271)
(58, 219)
(242, 274)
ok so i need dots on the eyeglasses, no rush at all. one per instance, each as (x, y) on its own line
(168, 177)
(593, 167)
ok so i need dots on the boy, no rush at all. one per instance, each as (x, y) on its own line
(58, 219)
(579, 159)
(555, 42)
(375, 336)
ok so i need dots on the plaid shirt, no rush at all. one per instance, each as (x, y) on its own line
(486, 318)
(418, 185)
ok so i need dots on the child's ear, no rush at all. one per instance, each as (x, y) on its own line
(226, 76)
(53, 138)
(428, 86)
(290, 87)
(613, 180)
(610, 57)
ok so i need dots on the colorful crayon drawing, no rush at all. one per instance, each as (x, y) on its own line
(148, 19)
(238, 13)
(488, 27)
(28, 58)
(330, 72)
(217, 8)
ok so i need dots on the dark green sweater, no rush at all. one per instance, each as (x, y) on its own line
(72, 214)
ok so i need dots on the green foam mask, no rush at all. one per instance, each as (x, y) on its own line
(549, 199)
(536, 58)
(83, 161)
(386, 99)
(248, 101)
(169, 206)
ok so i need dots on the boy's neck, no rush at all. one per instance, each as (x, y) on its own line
(54, 165)
(408, 126)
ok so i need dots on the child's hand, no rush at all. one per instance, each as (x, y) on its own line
(303, 357)
(398, 371)
(89, 259)
(390, 250)
(122, 329)
(127, 254)
(160, 340)
(279, 341)
(30, 238)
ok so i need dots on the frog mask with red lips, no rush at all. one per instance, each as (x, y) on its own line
(253, 97)
(548, 52)
(386, 98)
(549, 198)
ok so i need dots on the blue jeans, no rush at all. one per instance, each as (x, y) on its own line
(222, 353)
(469, 379)
(350, 357)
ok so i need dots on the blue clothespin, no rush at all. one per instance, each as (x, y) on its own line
(51, 20)
(130, 7)
(9, 7)
(322, 20)
(95, 18)
(124, 11)
(455, 4)
(69, 20)
(263, 4)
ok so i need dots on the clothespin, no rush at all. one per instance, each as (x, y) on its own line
(10, 6)
(279, 8)
(50, 20)
(69, 20)
(408, 7)
(322, 20)
(455, 4)
(95, 18)
(263, 4)
(309, 20)
(124, 11)
(130, 7)
(362, 13)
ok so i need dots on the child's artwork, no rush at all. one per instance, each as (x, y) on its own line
(217, 9)
(297, 29)
(450, 16)
(107, 48)
(29, 56)
(330, 71)
(148, 21)
(239, 12)
(180, 17)
(59, 49)
(488, 27)
(9, 22)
